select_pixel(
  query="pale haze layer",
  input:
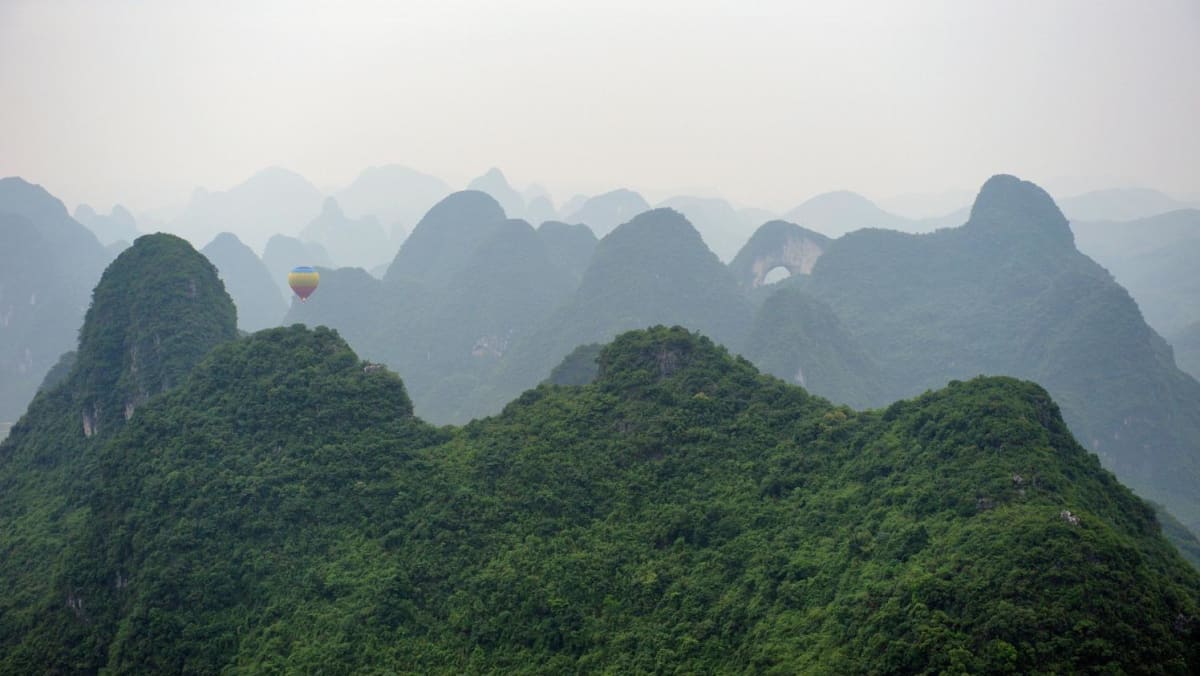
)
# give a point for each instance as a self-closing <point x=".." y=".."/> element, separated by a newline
<point x="764" y="103"/>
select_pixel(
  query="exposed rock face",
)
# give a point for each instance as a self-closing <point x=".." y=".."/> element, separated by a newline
<point x="775" y="244"/>
<point x="157" y="311"/>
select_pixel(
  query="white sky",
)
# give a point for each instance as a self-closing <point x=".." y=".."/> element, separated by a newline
<point x="765" y="103"/>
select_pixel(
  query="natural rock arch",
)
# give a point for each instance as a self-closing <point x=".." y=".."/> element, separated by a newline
<point x="777" y="244"/>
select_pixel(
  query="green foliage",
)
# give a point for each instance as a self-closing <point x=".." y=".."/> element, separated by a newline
<point x="282" y="510"/>
<point x="155" y="313"/>
<point x="464" y="288"/>
<point x="59" y="372"/>
<point x="577" y="368"/>
<point x="799" y="339"/>
<point x="1008" y="293"/>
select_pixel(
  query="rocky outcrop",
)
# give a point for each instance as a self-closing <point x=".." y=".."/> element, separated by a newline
<point x="777" y="244"/>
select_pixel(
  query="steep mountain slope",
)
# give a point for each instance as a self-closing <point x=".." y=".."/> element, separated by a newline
<point x="723" y="229"/>
<point x="682" y="513"/>
<point x="508" y="288"/>
<point x="272" y="201"/>
<point x="653" y="269"/>
<point x="569" y="246"/>
<point x="540" y="210"/>
<point x="1187" y="349"/>
<point x="117" y="226"/>
<point x="360" y="243"/>
<point x="444" y="239"/>
<point x="48" y="266"/>
<point x="1155" y="259"/>
<point x="463" y="289"/>
<point x="777" y="244"/>
<point x="283" y="253"/>
<point x="156" y="311"/>
<point x="1007" y="293"/>
<point x="247" y="281"/>
<point x="799" y="339"/>
<point x="835" y="213"/>
<point x="603" y="213"/>
<point x="496" y="185"/>
<point x="396" y="195"/>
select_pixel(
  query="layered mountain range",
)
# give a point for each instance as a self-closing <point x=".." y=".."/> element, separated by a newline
<point x="48" y="266"/>
<point x="475" y="308"/>
<point x="275" y="505"/>
<point x="870" y="317"/>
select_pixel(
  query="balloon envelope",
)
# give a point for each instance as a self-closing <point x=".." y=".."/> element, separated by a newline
<point x="303" y="281"/>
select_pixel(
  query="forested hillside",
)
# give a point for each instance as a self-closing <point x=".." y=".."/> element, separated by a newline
<point x="880" y="315"/>
<point x="282" y="510"/>
<point x="1008" y="293"/>
<point x="157" y="310"/>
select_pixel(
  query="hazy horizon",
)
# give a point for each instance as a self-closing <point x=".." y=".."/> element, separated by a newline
<point x="120" y="102"/>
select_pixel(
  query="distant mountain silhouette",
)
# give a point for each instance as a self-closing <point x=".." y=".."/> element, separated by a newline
<point x="755" y="216"/>
<point x="360" y="243"/>
<point x="283" y="253"/>
<point x="248" y="282"/>
<point x="444" y="239"/>
<point x="572" y="205"/>
<point x="118" y="226"/>
<point x="394" y="194"/>
<point x="925" y="205"/>
<point x="505" y="291"/>
<point x="835" y="213"/>
<point x="495" y="184"/>
<point x="461" y="292"/>
<point x="800" y="339"/>
<point x="1187" y="349"/>
<point x="724" y="229"/>
<point x="1120" y="204"/>
<point x="272" y="201"/>
<point x="540" y="210"/>
<point x="1008" y="293"/>
<point x="1156" y="258"/>
<point x="48" y="266"/>
<point x="605" y="212"/>
<point x="570" y="246"/>
<point x="655" y="269"/>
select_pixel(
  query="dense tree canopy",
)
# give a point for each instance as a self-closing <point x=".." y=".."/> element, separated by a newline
<point x="282" y="510"/>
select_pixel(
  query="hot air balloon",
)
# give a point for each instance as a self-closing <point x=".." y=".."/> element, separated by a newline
<point x="303" y="280"/>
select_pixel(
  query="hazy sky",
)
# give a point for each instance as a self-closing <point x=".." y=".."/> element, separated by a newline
<point x="763" y="102"/>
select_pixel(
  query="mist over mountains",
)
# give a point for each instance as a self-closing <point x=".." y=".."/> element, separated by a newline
<point x="671" y="461"/>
